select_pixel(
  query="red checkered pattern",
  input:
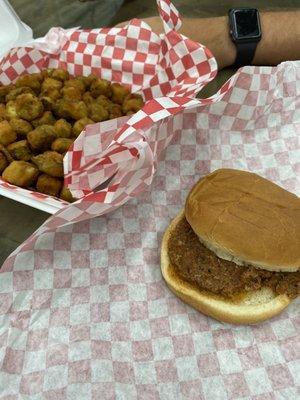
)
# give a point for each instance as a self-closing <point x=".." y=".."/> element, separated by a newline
<point x="84" y="310"/>
<point x="170" y="65"/>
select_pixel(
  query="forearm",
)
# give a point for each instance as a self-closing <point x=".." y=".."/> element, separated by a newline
<point x="280" y="37"/>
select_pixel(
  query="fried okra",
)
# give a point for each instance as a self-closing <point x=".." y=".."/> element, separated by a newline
<point x="101" y="86"/>
<point x="49" y="98"/>
<point x="132" y="102"/>
<point x="11" y="110"/>
<point x="41" y="114"/>
<point x="14" y="93"/>
<point x="71" y="93"/>
<point x="49" y="185"/>
<point x="63" y="128"/>
<point x="20" y="150"/>
<point x="3" y="162"/>
<point x="4" y="151"/>
<point x="80" y="125"/>
<point x="75" y="83"/>
<point x="28" y="107"/>
<point x="104" y="101"/>
<point x="115" y="111"/>
<point x="87" y="80"/>
<point x="70" y="109"/>
<point x="31" y="81"/>
<point x="20" y="126"/>
<point x="61" y="145"/>
<point x="51" y="84"/>
<point x="2" y="111"/>
<point x="7" y="134"/>
<point x="97" y="112"/>
<point x="50" y="163"/>
<point x="46" y="119"/>
<point x="60" y="74"/>
<point x="66" y="195"/>
<point x="20" y="173"/>
<point x="119" y="92"/>
<point x="50" y="94"/>
<point x="41" y="138"/>
<point x="4" y="90"/>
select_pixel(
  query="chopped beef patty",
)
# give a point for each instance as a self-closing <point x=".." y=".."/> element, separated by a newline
<point x="197" y="264"/>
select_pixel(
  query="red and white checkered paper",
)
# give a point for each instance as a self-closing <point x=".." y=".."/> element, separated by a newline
<point x="155" y="66"/>
<point x="85" y="313"/>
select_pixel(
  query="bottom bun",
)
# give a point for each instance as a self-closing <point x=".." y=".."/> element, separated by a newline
<point x="249" y="308"/>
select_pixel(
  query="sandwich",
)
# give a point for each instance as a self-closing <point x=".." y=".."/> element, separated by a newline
<point x="233" y="253"/>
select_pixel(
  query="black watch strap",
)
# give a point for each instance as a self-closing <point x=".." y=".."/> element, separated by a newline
<point x="245" y="54"/>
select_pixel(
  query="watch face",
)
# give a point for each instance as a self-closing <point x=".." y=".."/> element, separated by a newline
<point x="245" y="24"/>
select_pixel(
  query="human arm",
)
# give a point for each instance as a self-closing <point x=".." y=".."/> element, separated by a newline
<point x="280" y="37"/>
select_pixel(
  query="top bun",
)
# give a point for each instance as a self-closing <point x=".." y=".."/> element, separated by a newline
<point x="247" y="219"/>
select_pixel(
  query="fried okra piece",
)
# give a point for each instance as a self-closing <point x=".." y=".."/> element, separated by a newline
<point x="119" y="92"/>
<point x="20" y="173"/>
<point x="46" y="119"/>
<point x="3" y="162"/>
<point x="71" y="93"/>
<point x="70" y="109"/>
<point x="4" y="90"/>
<point x="66" y="195"/>
<point x="20" y="150"/>
<point x="29" y="80"/>
<point x="49" y="185"/>
<point x="2" y="111"/>
<point x="28" y="107"/>
<point x="61" y="145"/>
<point x="14" y="93"/>
<point x="47" y="73"/>
<point x="104" y="101"/>
<point x="50" y="84"/>
<point x="41" y="138"/>
<point x="132" y="102"/>
<point x="53" y="94"/>
<point x="63" y="129"/>
<point x="129" y="113"/>
<point x="7" y="134"/>
<point x="49" y="98"/>
<point x="101" y="86"/>
<point x="11" y="110"/>
<point x="79" y="125"/>
<point x="50" y="163"/>
<point x="115" y="111"/>
<point x="97" y="112"/>
<point x="20" y="126"/>
<point x="87" y="80"/>
<point x="88" y="98"/>
<point x="39" y="76"/>
<point x="76" y="83"/>
<point x="4" y="151"/>
<point x="60" y="74"/>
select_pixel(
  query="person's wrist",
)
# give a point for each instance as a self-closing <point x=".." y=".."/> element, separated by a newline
<point x="214" y="34"/>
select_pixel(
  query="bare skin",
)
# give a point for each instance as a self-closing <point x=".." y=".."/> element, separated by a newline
<point x="280" y="36"/>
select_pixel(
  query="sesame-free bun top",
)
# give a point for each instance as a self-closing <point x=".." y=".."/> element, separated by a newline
<point x="247" y="219"/>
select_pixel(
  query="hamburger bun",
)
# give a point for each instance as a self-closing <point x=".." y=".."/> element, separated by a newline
<point x="251" y="308"/>
<point x="246" y="219"/>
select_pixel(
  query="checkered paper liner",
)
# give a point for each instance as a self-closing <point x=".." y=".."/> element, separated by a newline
<point x="155" y="66"/>
<point x="85" y="313"/>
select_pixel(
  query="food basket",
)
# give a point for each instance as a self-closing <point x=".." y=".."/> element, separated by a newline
<point x="151" y="65"/>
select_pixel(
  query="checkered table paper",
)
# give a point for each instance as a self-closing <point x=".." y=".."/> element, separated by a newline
<point x="84" y="311"/>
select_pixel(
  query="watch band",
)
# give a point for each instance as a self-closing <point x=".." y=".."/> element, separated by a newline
<point x="245" y="53"/>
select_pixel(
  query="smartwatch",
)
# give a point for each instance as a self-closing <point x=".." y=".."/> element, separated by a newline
<point x="245" y="32"/>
